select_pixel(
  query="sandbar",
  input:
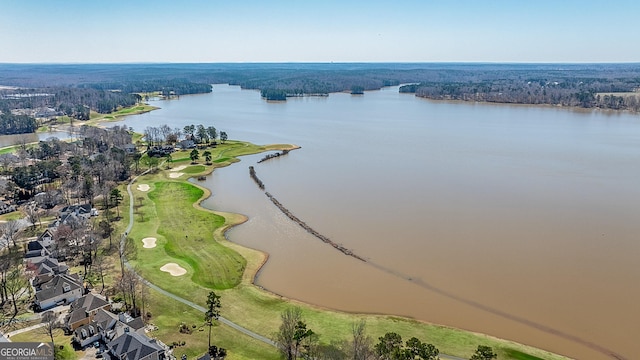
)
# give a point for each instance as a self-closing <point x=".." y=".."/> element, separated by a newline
<point x="149" y="242"/>
<point x="173" y="269"/>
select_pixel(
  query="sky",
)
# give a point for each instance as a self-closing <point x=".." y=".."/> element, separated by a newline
<point x="128" y="31"/>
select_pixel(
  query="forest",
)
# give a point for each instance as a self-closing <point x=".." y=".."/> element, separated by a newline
<point x="105" y="87"/>
<point x="585" y="92"/>
<point x="16" y="124"/>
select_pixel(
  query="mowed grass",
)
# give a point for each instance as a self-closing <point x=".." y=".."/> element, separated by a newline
<point x="515" y="354"/>
<point x="59" y="339"/>
<point x="192" y="237"/>
<point x="14" y="215"/>
<point x="168" y="314"/>
<point x="131" y="110"/>
<point x="196" y="169"/>
<point x="185" y="236"/>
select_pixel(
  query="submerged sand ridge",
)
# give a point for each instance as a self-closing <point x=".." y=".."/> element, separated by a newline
<point x="173" y="269"/>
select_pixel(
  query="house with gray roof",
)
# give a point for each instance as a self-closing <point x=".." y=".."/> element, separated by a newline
<point x="83" y="210"/>
<point x="83" y="310"/>
<point x="132" y="345"/>
<point x="61" y="289"/>
<point x="36" y="252"/>
<point x="87" y="334"/>
<point x="109" y="325"/>
<point x="49" y="265"/>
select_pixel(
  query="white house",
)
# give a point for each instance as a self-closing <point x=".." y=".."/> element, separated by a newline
<point x="62" y="289"/>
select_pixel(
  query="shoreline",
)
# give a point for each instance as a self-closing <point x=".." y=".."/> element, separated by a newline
<point x="257" y="259"/>
<point x="577" y="109"/>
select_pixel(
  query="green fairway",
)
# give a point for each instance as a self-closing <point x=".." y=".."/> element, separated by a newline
<point x="131" y="110"/>
<point x="196" y="169"/>
<point x="188" y="238"/>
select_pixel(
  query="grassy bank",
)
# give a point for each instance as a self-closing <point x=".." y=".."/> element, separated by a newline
<point x="95" y="117"/>
<point x="193" y="237"/>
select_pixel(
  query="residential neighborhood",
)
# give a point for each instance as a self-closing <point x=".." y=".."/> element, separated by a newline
<point x="92" y="320"/>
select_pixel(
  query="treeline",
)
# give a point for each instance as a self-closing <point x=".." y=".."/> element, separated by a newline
<point x="165" y="87"/>
<point x="562" y="84"/>
<point x="296" y="340"/>
<point x="199" y="134"/>
<point x="71" y="101"/>
<point x="104" y="102"/>
<point x="582" y="92"/>
<point x="16" y="124"/>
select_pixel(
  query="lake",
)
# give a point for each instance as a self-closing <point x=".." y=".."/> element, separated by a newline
<point x="17" y="139"/>
<point x="515" y="221"/>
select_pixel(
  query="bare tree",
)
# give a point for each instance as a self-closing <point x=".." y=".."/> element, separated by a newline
<point x="17" y="285"/>
<point x="165" y="131"/>
<point x="10" y="229"/>
<point x="33" y="215"/>
<point x="51" y="323"/>
<point x="10" y="258"/>
<point x="129" y="284"/>
<point x="293" y="334"/>
<point x="125" y="250"/>
<point x="360" y="347"/>
<point x="285" y="336"/>
<point x="99" y="267"/>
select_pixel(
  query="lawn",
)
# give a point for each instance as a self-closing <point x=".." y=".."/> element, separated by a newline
<point x="196" y="169"/>
<point x="59" y="339"/>
<point x="14" y="215"/>
<point x="168" y="314"/>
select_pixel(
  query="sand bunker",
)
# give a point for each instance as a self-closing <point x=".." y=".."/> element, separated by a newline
<point x="173" y="269"/>
<point x="175" y="175"/>
<point x="181" y="167"/>
<point x="149" y="242"/>
<point x="143" y="187"/>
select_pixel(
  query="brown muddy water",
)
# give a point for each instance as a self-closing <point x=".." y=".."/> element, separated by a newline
<point x="514" y="221"/>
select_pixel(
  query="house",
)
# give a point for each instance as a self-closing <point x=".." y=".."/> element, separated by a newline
<point x="187" y="144"/>
<point x="61" y="289"/>
<point x="103" y="321"/>
<point x="45" y="112"/>
<point x="6" y="208"/>
<point x="36" y="252"/>
<point x="109" y="325"/>
<point x="46" y="238"/>
<point x="132" y="345"/>
<point x="86" y="334"/>
<point x="129" y="148"/>
<point x="83" y="210"/>
<point x="48" y="266"/>
<point x="83" y="310"/>
<point x="160" y="151"/>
